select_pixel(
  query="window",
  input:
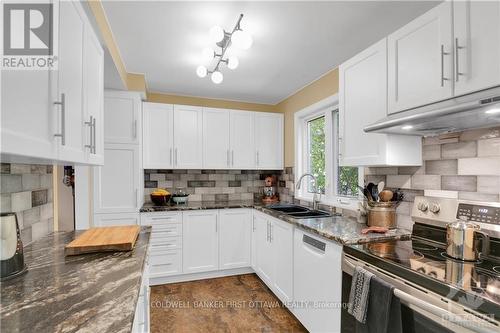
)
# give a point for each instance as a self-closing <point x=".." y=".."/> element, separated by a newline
<point x="317" y="153"/>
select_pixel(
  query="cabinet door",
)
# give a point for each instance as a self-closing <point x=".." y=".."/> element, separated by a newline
<point x="421" y="61"/>
<point x="216" y="153"/>
<point x="234" y="238"/>
<point x="70" y="82"/>
<point x="117" y="183"/>
<point x="121" y="117"/>
<point x="188" y="137"/>
<point x="108" y="220"/>
<point x="242" y="140"/>
<point x="28" y="117"/>
<point x="363" y="88"/>
<point x="93" y="92"/>
<point x="282" y="253"/>
<point x="158" y="135"/>
<point x="264" y="257"/>
<point x="269" y="140"/>
<point x="477" y="45"/>
<point x="200" y="241"/>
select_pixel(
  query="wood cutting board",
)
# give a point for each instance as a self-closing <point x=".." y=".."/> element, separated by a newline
<point x="104" y="239"/>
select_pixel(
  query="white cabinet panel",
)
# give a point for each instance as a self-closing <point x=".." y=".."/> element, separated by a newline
<point x="70" y="82"/>
<point x="121" y="117"/>
<point x="264" y="257"/>
<point x="269" y="140"/>
<point x="200" y="241"/>
<point x="111" y="193"/>
<point x="234" y="238"/>
<point x="362" y="101"/>
<point x="282" y="243"/>
<point x="158" y="135"/>
<point x="242" y="139"/>
<point x="108" y="220"/>
<point x="93" y="93"/>
<point x="477" y="45"/>
<point x="216" y="153"/>
<point x="188" y="137"/>
<point x="421" y="61"/>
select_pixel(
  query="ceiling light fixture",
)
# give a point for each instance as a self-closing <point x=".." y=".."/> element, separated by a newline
<point x="407" y="127"/>
<point x="237" y="37"/>
<point x="493" y="111"/>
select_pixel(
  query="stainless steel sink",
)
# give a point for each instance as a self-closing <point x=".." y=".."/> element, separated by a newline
<point x="299" y="212"/>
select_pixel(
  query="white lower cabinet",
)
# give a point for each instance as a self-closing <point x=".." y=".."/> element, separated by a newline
<point x="234" y="238"/>
<point x="317" y="279"/>
<point x="108" y="220"/>
<point x="200" y="249"/>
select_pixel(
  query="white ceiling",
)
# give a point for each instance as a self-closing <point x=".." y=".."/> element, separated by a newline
<point x="294" y="42"/>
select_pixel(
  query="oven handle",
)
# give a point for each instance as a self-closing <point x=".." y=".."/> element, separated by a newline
<point x="435" y="310"/>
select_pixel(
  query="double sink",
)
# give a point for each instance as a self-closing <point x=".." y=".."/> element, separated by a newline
<point x="299" y="212"/>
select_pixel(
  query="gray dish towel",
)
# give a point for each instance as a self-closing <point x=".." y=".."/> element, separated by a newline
<point x="360" y="290"/>
<point x="384" y="310"/>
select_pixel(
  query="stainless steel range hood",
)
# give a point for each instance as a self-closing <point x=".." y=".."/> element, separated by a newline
<point x="477" y="110"/>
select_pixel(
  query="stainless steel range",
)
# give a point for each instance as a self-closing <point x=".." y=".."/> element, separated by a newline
<point x="458" y="296"/>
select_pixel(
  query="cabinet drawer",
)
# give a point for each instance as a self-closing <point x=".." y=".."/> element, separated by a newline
<point x="159" y="219"/>
<point x="166" y="230"/>
<point x="166" y="263"/>
<point x="165" y="243"/>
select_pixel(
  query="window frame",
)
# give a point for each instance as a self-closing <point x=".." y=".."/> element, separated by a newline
<point x="326" y="108"/>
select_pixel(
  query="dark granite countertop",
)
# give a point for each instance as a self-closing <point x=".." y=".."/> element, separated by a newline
<point x="337" y="228"/>
<point x="90" y="293"/>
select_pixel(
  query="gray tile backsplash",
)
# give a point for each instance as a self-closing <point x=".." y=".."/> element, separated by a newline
<point x="27" y="190"/>
<point x="466" y="165"/>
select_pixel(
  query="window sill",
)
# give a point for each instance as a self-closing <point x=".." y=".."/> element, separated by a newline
<point x="338" y="202"/>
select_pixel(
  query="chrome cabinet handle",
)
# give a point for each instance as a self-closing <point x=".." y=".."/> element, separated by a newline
<point x="257" y="157"/>
<point x="91" y="132"/>
<point x="270" y="232"/>
<point x="136" y="197"/>
<point x="135" y="129"/>
<point x="93" y="149"/>
<point x="442" y="65"/>
<point x="227" y="158"/>
<point x="232" y="157"/>
<point x="457" y="65"/>
<point x="62" y="103"/>
<point x="253" y="224"/>
<point x="216" y="222"/>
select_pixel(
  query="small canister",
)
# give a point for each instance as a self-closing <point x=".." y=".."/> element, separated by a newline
<point x="382" y="215"/>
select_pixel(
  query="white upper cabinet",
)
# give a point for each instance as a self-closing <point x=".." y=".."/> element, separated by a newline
<point x="242" y="139"/>
<point x="269" y="140"/>
<point x="112" y="194"/>
<point x="363" y="100"/>
<point x="158" y="136"/>
<point x="235" y="227"/>
<point x="200" y="241"/>
<point x="188" y="137"/>
<point x="216" y="153"/>
<point x="477" y="45"/>
<point x="93" y="93"/>
<point x="421" y="60"/>
<point x="70" y="82"/>
<point x="122" y="117"/>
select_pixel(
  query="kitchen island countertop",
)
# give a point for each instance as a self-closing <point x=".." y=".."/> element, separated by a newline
<point x="344" y="230"/>
<point x="92" y="292"/>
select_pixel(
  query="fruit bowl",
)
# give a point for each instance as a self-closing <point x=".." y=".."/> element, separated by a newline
<point x="160" y="197"/>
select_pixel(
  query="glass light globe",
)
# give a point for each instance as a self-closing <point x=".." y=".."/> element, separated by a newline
<point x="201" y="71"/>
<point x="216" y="34"/>
<point x="232" y="62"/>
<point x="207" y="54"/>
<point x="217" y="77"/>
<point x="242" y="39"/>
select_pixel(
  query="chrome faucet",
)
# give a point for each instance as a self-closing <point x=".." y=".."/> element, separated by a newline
<point x="315" y="188"/>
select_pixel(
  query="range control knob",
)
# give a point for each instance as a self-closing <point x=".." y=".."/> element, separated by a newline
<point x="435" y="208"/>
<point x="422" y="206"/>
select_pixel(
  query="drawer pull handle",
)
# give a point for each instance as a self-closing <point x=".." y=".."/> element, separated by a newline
<point x="158" y="265"/>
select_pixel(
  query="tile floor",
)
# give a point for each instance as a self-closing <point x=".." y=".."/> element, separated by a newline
<point x="230" y="304"/>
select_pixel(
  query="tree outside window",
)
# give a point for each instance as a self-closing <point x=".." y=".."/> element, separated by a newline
<point x="316" y="133"/>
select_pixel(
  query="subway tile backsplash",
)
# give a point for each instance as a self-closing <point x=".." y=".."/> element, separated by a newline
<point x="209" y="185"/>
<point x="27" y="190"/>
<point x="464" y="165"/>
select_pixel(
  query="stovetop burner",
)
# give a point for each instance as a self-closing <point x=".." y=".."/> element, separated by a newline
<point x="447" y="257"/>
<point x="394" y="252"/>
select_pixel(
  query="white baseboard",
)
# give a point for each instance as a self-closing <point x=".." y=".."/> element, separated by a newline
<point x="199" y="276"/>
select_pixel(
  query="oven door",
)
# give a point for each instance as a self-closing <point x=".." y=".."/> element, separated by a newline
<point x="421" y="309"/>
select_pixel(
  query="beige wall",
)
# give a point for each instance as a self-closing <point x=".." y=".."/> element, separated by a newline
<point x="208" y="102"/>
<point x="324" y="87"/>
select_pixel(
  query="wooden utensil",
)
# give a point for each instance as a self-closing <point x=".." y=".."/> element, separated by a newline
<point x="386" y="195"/>
<point x="104" y="239"/>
